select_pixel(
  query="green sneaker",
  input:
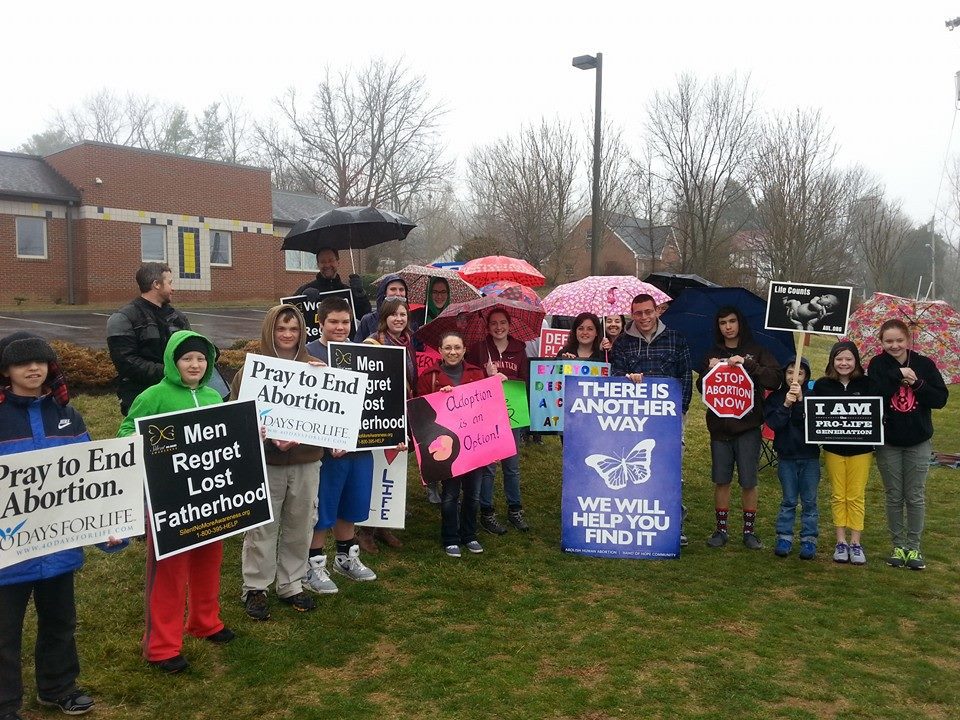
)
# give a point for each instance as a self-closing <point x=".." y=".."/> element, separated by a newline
<point x="898" y="558"/>
<point x="915" y="560"/>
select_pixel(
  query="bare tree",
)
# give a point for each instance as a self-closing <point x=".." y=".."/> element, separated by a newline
<point x="880" y="233"/>
<point x="802" y="201"/>
<point x="365" y="138"/>
<point x="645" y="198"/>
<point x="702" y="134"/>
<point x="522" y="190"/>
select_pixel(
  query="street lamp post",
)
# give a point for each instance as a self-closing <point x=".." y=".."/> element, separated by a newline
<point x="933" y="261"/>
<point x="591" y="62"/>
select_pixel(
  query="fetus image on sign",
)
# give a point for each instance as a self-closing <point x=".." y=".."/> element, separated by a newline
<point x="618" y="471"/>
<point x="810" y="316"/>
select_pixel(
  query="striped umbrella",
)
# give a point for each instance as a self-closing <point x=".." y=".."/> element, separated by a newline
<point x="417" y="278"/>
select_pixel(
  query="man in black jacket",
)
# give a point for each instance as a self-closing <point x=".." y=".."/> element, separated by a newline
<point x="137" y="334"/>
<point x="328" y="261"/>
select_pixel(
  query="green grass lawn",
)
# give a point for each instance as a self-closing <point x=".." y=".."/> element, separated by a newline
<point x="525" y="631"/>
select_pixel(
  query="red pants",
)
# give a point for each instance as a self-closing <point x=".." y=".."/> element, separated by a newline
<point x="166" y="598"/>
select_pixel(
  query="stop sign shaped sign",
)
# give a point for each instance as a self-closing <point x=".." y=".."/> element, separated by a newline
<point x="728" y="390"/>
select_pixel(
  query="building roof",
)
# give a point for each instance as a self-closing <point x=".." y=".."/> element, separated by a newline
<point x="289" y="207"/>
<point x="28" y="176"/>
<point x="638" y="236"/>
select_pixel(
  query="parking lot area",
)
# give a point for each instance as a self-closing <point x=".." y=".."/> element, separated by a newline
<point x="222" y="325"/>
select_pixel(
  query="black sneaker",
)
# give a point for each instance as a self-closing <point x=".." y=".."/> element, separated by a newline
<point x="221" y="637"/>
<point x="752" y="542"/>
<point x="301" y="602"/>
<point x="490" y="523"/>
<point x="718" y="539"/>
<point x="178" y="663"/>
<point x="256" y="605"/>
<point x="516" y="519"/>
<point x="74" y="703"/>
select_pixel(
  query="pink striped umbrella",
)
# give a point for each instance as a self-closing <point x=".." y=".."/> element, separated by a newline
<point x="600" y="294"/>
<point x="485" y="270"/>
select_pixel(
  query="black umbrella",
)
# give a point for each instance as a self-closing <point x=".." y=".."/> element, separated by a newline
<point x="347" y="228"/>
<point x="675" y="283"/>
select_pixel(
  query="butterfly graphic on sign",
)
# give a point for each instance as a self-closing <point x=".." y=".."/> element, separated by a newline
<point x="160" y="433"/>
<point x="342" y="358"/>
<point x="10" y="532"/>
<point x="618" y="471"/>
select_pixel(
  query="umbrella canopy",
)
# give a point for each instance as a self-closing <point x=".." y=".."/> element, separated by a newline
<point x="347" y="228"/>
<point x="675" y="283"/>
<point x="470" y="318"/>
<point x="485" y="270"/>
<point x="509" y="290"/>
<point x="417" y="278"/>
<point x="692" y="315"/>
<point x="934" y="327"/>
<point x="600" y="294"/>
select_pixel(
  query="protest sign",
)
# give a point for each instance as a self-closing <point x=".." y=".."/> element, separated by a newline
<point x="461" y="430"/>
<point x="388" y="498"/>
<point x="803" y="307"/>
<point x="206" y="475"/>
<point x="843" y="420"/>
<point x="383" y="422"/>
<point x="518" y="410"/>
<point x="547" y="378"/>
<point x="728" y="390"/>
<point x="308" y="304"/>
<point x="69" y="496"/>
<point x="621" y="467"/>
<point x="426" y="359"/>
<point x="552" y="342"/>
<point x="313" y="405"/>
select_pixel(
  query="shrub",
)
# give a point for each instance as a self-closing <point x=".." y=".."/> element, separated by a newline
<point x="234" y="357"/>
<point x="86" y="369"/>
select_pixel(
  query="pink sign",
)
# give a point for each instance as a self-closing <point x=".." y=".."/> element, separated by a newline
<point x="426" y="359"/>
<point x="459" y="431"/>
<point x="552" y="342"/>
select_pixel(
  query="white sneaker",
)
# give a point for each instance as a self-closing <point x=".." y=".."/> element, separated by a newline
<point x="452" y="551"/>
<point x="475" y="547"/>
<point x="857" y="556"/>
<point x="318" y="579"/>
<point x="351" y="566"/>
<point x="841" y="553"/>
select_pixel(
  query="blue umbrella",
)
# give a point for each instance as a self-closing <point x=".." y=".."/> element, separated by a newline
<point x="693" y="316"/>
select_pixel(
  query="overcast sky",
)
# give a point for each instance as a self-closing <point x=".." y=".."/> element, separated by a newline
<point x="882" y="71"/>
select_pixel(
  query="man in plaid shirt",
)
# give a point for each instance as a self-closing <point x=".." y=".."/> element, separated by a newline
<point x="648" y="347"/>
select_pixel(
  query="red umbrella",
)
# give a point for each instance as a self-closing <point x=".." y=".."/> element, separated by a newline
<point x="470" y="319"/>
<point x="485" y="270"/>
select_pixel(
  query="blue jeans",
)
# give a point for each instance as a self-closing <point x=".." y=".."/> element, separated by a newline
<point x="511" y="481"/>
<point x="458" y="519"/>
<point x="799" y="480"/>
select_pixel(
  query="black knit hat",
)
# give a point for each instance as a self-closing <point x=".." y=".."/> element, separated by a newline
<point x="21" y="347"/>
<point x="194" y="343"/>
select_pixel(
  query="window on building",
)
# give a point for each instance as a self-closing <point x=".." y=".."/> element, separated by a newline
<point x="153" y="243"/>
<point x="220" y="252"/>
<point x="31" y="237"/>
<point x="297" y="260"/>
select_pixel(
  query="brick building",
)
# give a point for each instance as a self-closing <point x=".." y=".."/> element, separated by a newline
<point x="628" y="247"/>
<point x="75" y="226"/>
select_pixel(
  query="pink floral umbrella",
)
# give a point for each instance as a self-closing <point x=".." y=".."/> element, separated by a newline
<point x="485" y="270"/>
<point x="509" y="290"/>
<point x="934" y="326"/>
<point x="600" y="294"/>
<point x="417" y="278"/>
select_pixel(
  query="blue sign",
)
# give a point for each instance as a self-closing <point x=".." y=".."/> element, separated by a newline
<point x="547" y="379"/>
<point x="621" y="467"/>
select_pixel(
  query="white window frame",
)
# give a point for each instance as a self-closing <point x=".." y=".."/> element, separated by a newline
<point x="307" y="261"/>
<point x="44" y="226"/>
<point x="229" y="237"/>
<point x="163" y="232"/>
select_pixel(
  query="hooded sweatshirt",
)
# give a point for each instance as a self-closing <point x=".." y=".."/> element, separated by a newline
<point x="299" y="454"/>
<point x="762" y="368"/>
<point x="906" y="414"/>
<point x="171" y="394"/>
<point x="512" y="362"/>
<point x="369" y="322"/>
<point x="787" y="423"/>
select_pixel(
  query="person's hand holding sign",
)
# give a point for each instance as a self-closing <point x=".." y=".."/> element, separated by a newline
<point x="793" y="395"/>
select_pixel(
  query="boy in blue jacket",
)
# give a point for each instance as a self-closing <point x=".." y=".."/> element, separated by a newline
<point x="34" y="415"/>
<point x="798" y="464"/>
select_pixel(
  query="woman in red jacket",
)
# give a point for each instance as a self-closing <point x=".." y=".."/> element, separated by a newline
<point x="456" y="527"/>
